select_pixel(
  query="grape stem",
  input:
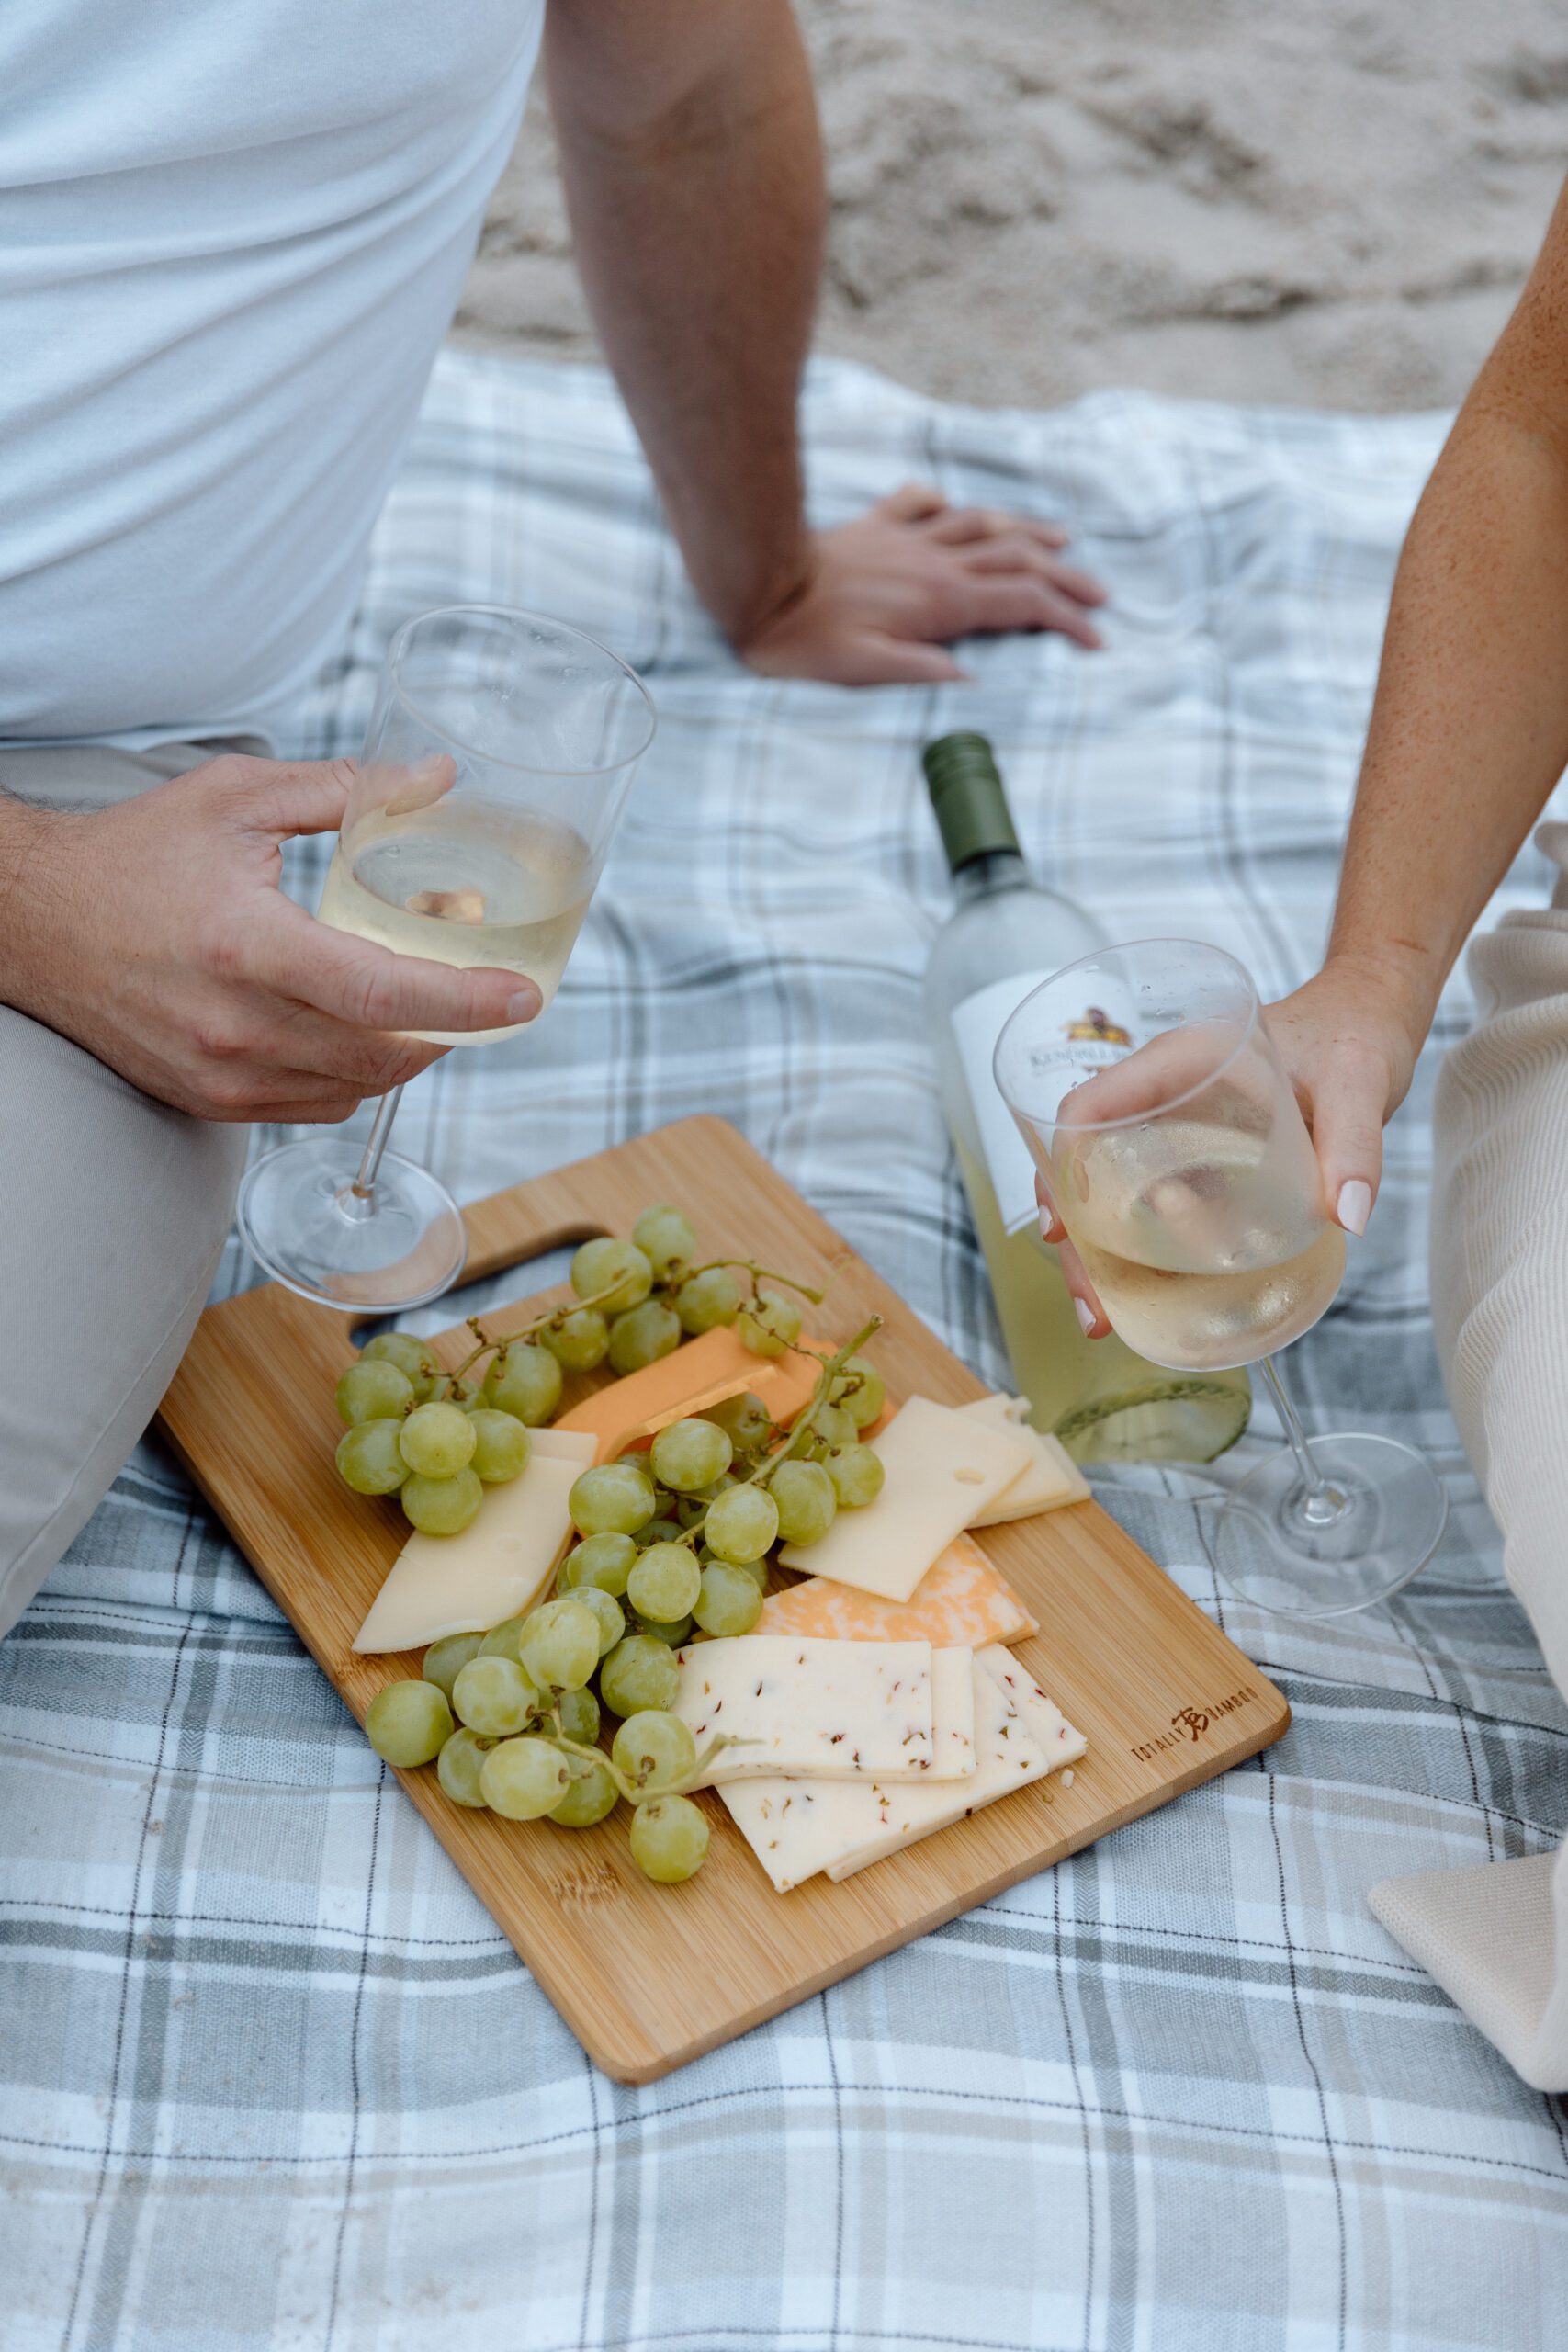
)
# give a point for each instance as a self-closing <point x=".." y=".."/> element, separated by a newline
<point x="554" y="1316"/>
<point x="758" y="1274"/>
<point x="626" y="1785"/>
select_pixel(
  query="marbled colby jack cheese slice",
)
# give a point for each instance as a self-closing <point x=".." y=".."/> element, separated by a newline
<point x="961" y="1600"/>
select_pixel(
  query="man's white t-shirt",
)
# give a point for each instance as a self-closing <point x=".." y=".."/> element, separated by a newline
<point x="232" y="234"/>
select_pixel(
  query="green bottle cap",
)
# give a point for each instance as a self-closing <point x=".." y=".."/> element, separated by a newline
<point x="968" y="798"/>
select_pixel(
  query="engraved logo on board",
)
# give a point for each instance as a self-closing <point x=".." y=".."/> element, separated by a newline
<point x="1190" y="1724"/>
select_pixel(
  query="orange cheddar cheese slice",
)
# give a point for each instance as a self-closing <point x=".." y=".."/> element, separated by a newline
<point x="702" y="1372"/>
<point x="960" y="1603"/>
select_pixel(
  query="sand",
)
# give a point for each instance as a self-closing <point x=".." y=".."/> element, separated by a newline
<point x="1330" y="205"/>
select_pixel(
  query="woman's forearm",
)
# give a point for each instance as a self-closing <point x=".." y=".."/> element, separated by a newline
<point x="1470" y="729"/>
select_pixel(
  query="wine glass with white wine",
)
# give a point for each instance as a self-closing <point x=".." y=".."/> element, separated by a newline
<point x="1171" y="1141"/>
<point x="495" y="768"/>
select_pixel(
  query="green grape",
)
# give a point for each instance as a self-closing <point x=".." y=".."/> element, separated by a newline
<point x="502" y="1640"/>
<point x="408" y="1721"/>
<point x="806" y="1503"/>
<point x="833" y="1425"/>
<point x="494" y="1697"/>
<point x="438" y="1441"/>
<point x="640" y="1337"/>
<point x="501" y="1446"/>
<point x="618" y="1267"/>
<point x="639" y="1672"/>
<point x="674" y="1633"/>
<point x="657" y="1531"/>
<point x="862" y="1391"/>
<point x="526" y="1382"/>
<point x="857" y="1474"/>
<point x="729" y="1601"/>
<point x="612" y="1617"/>
<point x="458" y="1766"/>
<point x="441" y="1506"/>
<point x="581" y="1340"/>
<point x="691" y="1454"/>
<point x="370" y="1459"/>
<point x="664" y="1582"/>
<point x="578" y="1713"/>
<point x="412" y="1357"/>
<point x="373" y="1390"/>
<point x="445" y="1659"/>
<point x="524" y="1779"/>
<point x="771" y="1326"/>
<point x="704" y="1301"/>
<point x="590" y="1796"/>
<point x="654" y="1750"/>
<point x="741" y="1525"/>
<point x="691" y="1508"/>
<point x="744" y="1419"/>
<point x="602" y="1560"/>
<point x="614" y="1499"/>
<point x="756" y="1570"/>
<point x="558" y="1649"/>
<point x="666" y="1240"/>
<point x="670" y="1838"/>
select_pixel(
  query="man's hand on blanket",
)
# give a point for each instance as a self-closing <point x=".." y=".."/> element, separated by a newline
<point x="1349" y="1055"/>
<point x="885" y="593"/>
<point x="156" y="934"/>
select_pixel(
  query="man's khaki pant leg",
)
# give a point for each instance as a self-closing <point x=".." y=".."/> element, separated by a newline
<point x="113" y="1211"/>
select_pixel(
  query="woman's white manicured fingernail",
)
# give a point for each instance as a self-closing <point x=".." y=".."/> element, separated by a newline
<point x="1354" y="1205"/>
<point x="1085" y="1314"/>
<point x="525" y="1004"/>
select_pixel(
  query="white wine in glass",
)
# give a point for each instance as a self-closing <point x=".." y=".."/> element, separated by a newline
<point x="497" y="762"/>
<point x="1181" y="1166"/>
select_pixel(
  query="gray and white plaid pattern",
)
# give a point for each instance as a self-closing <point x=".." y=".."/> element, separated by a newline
<point x="273" y="2082"/>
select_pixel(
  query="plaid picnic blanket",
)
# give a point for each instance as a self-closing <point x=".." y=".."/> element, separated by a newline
<point x="270" y="2081"/>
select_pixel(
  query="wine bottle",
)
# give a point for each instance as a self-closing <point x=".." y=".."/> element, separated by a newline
<point x="1005" y="935"/>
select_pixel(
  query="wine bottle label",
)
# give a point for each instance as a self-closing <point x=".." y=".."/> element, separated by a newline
<point x="978" y="1021"/>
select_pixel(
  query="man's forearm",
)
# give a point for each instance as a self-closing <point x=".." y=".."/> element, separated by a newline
<point x="1470" y="728"/>
<point x="694" y="175"/>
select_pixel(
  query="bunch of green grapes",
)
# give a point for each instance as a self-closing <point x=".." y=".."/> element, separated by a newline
<point x="417" y="1432"/>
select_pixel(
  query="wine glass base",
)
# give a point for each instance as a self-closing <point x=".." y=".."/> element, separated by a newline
<point x="1394" y="1511"/>
<point x="298" y="1217"/>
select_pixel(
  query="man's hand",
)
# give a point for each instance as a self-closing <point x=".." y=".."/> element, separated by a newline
<point x="1348" y="1043"/>
<point x="156" y="934"/>
<point x="885" y="593"/>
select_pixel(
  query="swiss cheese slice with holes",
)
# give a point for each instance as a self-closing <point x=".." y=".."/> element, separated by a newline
<point x="1050" y="1478"/>
<point x="839" y="1709"/>
<point x="702" y="1372"/>
<point x="960" y="1599"/>
<point x="499" y="1566"/>
<point x="943" y="1466"/>
<point x="798" y="1828"/>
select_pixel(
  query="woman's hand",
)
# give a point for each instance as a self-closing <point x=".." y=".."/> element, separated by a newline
<point x="1349" y="1050"/>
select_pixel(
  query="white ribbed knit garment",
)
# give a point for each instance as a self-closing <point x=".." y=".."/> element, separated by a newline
<point x="1497" y="1937"/>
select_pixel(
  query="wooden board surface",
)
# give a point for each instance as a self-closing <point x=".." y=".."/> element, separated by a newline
<point x="649" y="1977"/>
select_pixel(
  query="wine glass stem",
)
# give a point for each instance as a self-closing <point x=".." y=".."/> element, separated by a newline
<point x="1321" y="1502"/>
<point x="364" y="1186"/>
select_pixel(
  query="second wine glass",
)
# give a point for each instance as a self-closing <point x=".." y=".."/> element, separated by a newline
<point x="1175" y="1153"/>
<point x="496" y="764"/>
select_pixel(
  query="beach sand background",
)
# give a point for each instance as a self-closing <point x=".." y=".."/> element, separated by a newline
<point x="1330" y="205"/>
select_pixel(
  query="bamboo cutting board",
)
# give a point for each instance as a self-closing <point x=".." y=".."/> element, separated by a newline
<point x="648" y="1977"/>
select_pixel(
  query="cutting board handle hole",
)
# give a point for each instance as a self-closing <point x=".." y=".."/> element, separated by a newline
<point x="539" y="1264"/>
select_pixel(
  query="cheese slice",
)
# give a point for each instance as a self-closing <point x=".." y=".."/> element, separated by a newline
<point x="960" y="1599"/>
<point x="953" y="1715"/>
<point x="832" y="1709"/>
<point x="943" y="1466"/>
<point x="1060" y="1742"/>
<point x="1050" y="1478"/>
<point x="798" y="1828"/>
<point x="497" y="1567"/>
<point x="563" y="1445"/>
<point x="700" y="1373"/>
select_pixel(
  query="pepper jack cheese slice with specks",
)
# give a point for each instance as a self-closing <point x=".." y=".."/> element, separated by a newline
<point x="1050" y="1478"/>
<point x="700" y="1373"/>
<point x="797" y="1828"/>
<point x="497" y="1567"/>
<point x="943" y="1466"/>
<point x="961" y="1600"/>
<point x="835" y="1709"/>
<point x="1059" y="1741"/>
